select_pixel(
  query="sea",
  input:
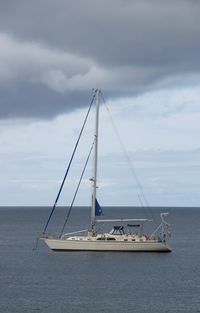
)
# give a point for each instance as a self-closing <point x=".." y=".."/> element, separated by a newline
<point x="39" y="280"/>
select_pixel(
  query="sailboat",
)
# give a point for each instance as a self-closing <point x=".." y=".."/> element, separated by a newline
<point x="122" y="236"/>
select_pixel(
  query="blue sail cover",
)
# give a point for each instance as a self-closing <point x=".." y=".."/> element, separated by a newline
<point x="98" y="209"/>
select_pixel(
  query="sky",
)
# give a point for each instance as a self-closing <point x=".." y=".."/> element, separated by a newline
<point x="144" y="56"/>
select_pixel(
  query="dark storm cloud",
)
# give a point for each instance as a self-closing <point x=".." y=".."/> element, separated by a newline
<point x="27" y="101"/>
<point x="127" y="46"/>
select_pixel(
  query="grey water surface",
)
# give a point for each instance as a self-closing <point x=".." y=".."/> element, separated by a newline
<point x="92" y="282"/>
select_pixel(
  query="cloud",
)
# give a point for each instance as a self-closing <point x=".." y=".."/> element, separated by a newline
<point x="53" y="53"/>
<point x="164" y="102"/>
<point x="143" y="54"/>
<point x="138" y="32"/>
<point x="166" y="159"/>
<point x="32" y="62"/>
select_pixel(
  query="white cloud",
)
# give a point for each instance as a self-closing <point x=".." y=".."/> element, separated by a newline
<point x="33" y="62"/>
<point x="164" y="101"/>
<point x="61" y="71"/>
<point x="163" y="150"/>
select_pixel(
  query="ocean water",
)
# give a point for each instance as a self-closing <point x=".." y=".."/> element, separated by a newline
<point x="92" y="282"/>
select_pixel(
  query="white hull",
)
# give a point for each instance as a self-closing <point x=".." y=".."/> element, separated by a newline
<point x="94" y="245"/>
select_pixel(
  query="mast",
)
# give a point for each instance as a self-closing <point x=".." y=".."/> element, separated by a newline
<point x="95" y="160"/>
